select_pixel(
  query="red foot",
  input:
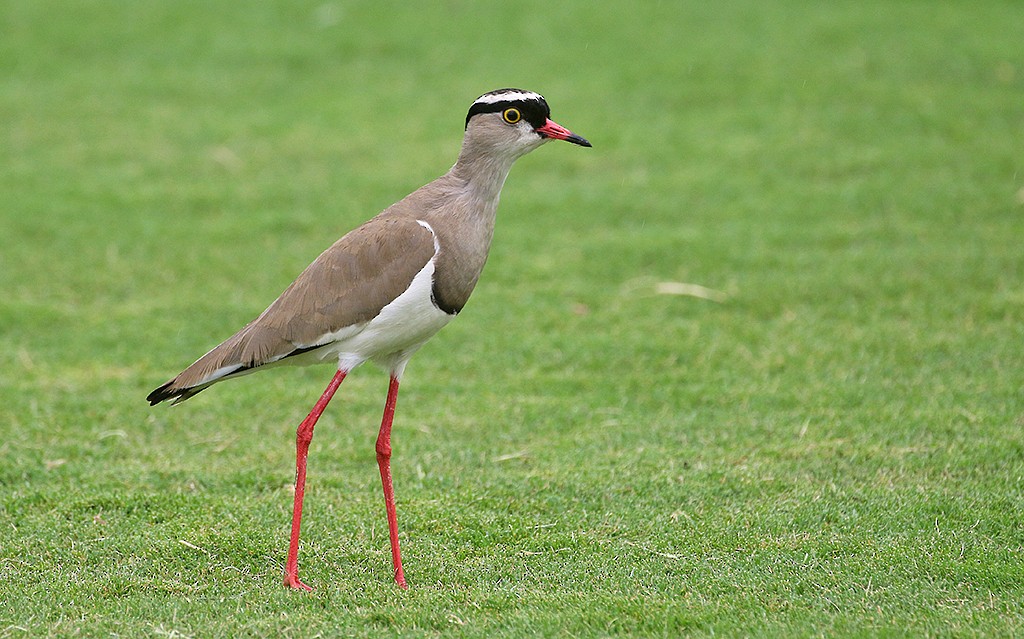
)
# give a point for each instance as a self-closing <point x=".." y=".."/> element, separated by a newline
<point x="400" y="580"/>
<point x="292" y="581"/>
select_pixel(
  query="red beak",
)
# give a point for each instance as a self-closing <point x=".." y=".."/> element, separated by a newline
<point x="555" y="131"/>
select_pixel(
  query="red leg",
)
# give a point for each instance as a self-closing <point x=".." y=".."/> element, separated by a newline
<point x="384" y="463"/>
<point x="303" y="436"/>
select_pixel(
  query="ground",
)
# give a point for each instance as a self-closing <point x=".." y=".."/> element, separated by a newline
<point x="751" y="366"/>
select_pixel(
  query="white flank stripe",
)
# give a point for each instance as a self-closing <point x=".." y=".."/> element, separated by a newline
<point x="437" y="245"/>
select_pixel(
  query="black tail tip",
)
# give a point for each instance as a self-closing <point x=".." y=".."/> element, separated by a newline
<point x="163" y="393"/>
<point x="178" y="394"/>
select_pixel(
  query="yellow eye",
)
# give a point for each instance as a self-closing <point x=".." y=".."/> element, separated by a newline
<point x="511" y="115"/>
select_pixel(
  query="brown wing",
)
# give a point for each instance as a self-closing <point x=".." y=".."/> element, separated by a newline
<point x="348" y="284"/>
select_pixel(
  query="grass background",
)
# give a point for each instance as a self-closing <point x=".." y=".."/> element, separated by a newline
<point x="834" y="449"/>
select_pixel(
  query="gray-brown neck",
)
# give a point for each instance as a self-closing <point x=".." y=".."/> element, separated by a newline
<point x="482" y="171"/>
<point x="461" y="208"/>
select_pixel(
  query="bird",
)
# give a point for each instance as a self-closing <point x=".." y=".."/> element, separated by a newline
<point x="385" y="288"/>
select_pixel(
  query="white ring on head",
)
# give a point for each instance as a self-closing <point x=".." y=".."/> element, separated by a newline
<point x="508" y="96"/>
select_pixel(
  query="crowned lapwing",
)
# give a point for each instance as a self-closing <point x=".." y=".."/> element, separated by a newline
<point x="385" y="288"/>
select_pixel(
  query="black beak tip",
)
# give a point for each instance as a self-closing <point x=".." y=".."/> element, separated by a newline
<point x="575" y="139"/>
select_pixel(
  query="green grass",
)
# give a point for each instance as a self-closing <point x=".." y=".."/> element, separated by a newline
<point x="835" y="449"/>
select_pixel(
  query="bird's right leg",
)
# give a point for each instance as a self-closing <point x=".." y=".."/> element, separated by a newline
<point x="303" y="436"/>
<point x="384" y="463"/>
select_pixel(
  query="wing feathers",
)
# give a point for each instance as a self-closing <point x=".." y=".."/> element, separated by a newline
<point x="347" y="285"/>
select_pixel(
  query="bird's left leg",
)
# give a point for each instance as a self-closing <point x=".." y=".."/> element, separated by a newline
<point x="384" y="463"/>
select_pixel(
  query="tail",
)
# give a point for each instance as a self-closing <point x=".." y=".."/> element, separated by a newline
<point x="219" y="364"/>
<point x="225" y="360"/>
<point x="249" y="349"/>
<point x="172" y="391"/>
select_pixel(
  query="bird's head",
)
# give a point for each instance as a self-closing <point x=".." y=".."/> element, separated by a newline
<point x="514" y="121"/>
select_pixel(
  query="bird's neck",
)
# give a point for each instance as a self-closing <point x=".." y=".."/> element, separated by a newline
<point x="483" y="174"/>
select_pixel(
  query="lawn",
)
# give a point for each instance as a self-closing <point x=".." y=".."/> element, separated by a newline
<point x="827" y="439"/>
